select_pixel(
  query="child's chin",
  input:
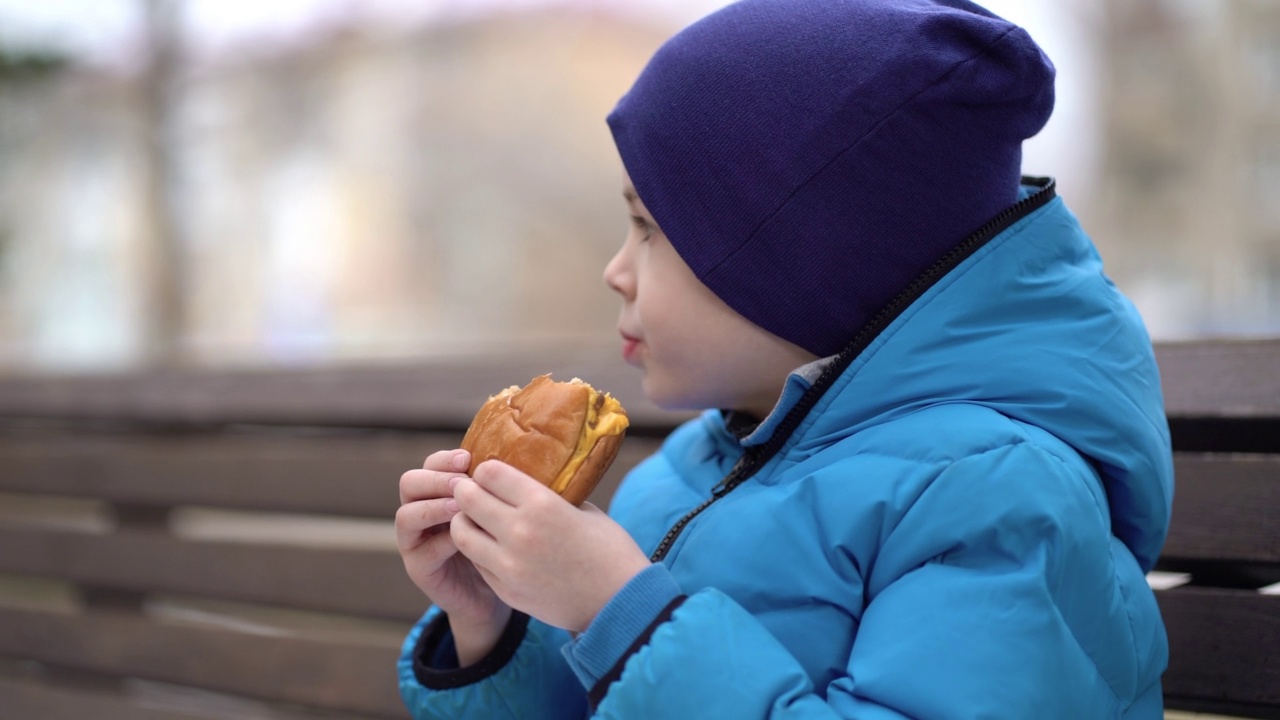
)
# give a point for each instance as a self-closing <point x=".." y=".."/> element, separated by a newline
<point x="670" y="397"/>
<point x="658" y="392"/>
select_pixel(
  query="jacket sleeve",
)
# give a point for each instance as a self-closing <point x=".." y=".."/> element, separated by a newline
<point x="524" y="678"/>
<point x="966" y="615"/>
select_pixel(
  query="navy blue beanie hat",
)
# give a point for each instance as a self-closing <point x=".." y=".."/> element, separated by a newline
<point x="809" y="159"/>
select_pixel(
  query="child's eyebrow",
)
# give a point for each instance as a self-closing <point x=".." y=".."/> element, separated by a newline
<point x="630" y="195"/>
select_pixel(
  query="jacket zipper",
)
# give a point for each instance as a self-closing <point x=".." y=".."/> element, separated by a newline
<point x="757" y="456"/>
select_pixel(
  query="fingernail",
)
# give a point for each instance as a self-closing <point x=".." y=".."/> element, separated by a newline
<point x="461" y="460"/>
<point x="452" y="506"/>
<point x="453" y="482"/>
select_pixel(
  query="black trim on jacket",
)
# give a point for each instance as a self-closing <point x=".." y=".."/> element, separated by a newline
<point x="601" y="688"/>
<point x="435" y="661"/>
<point x="757" y="456"/>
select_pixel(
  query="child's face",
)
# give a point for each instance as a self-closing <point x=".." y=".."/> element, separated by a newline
<point x="696" y="352"/>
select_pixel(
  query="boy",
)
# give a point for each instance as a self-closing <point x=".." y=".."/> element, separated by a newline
<point x="936" y="467"/>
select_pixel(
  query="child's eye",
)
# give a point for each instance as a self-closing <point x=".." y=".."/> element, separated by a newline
<point x="642" y="225"/>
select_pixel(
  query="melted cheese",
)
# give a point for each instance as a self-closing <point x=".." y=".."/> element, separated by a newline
<point x="608" y="420"/>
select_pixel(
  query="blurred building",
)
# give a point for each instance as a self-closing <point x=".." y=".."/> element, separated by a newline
<point x="443" y="189"/>
<point x="451" y="188"/>
<point x="1190" y="183"/>
<point x="68" y="212"/>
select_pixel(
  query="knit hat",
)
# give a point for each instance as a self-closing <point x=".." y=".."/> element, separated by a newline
<point x="808" y="159"/>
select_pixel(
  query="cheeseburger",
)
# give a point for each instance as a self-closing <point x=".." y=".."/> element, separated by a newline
<point x="563" y="434"/>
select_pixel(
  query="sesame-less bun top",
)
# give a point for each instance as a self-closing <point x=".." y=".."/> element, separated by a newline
<point x="809" y="159"/>
<point x="563" y="434"/>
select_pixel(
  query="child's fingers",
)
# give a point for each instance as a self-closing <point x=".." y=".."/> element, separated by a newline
<point x="506" y="483"/>
<point x="425" y="485"/>
<point x="448" y="461"/>
<point x="481" y="506"/>
<point x="414" y="519"/>
<point x="435" y="548"/>
<point x="472" y="541"/>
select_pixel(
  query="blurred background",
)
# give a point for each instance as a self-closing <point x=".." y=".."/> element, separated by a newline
<point x="303" y="182"/>
<point x="329" y="186"/>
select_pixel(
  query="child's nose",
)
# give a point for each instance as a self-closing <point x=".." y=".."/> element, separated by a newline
<point x="617" y="274"/>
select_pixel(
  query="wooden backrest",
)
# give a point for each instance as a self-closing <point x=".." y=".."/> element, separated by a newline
<point x="221" y="543"/>
<point x="1223" y="402"/>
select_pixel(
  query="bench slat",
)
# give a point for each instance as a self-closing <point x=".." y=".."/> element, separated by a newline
<point x="343" y="475"/>
<point x="26" y="700"/>
<point x="339" y="474"/>
<point x="1225" y="508"/>
<point x="1222" y="647"/>
<point x="1200" y="379"/>
<point x="320" y="579"/>
<point x="348" y="676"/>
<point x="424" y="395"/>
<point x="1221" y="378"/>
<point x="21" y="700"/>
<point x="1203" y="378"/>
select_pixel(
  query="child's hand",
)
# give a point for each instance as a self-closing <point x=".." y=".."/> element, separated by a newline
<point x="542" y="555"/>
<point x="476" y="615"/>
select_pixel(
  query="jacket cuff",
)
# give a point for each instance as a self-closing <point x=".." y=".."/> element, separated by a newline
<point x="435" y="659"/>
<point x="612" y="636"/>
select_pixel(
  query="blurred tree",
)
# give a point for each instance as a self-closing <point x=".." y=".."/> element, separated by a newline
<point x="164" y="307"/>
<point x="29" y="65"/>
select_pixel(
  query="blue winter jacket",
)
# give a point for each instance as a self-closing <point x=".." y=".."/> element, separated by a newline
<point x="950" y="520"/>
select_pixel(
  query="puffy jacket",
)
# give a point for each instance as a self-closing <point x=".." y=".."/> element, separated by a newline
<point x="951" y="519"/>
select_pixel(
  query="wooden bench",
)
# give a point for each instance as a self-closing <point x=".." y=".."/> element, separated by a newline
<point x="1223" y="402"/>
<point x="201" y="544"/>
<point x="219" y="545"/>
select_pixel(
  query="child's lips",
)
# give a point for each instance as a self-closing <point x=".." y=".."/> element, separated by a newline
<point x="630" y="347"/>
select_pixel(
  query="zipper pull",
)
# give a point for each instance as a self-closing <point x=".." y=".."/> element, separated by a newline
<point x="722" y="487"/>
<point x="735" y="475"/>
